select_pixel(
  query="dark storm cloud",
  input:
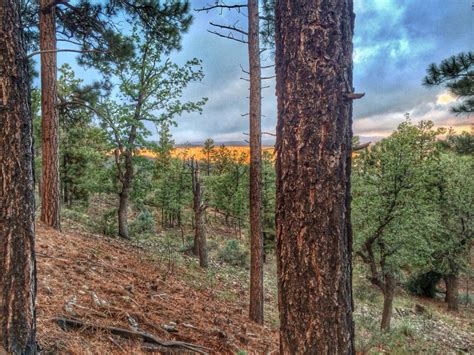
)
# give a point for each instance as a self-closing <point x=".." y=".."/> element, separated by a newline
<point x="395" y="41"/>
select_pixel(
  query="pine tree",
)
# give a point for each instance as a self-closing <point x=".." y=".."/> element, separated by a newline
<point x="313" y="164"/>
<point x="17" y="232"/>
<point x="207" y="150"/>
<point x="457" y="74"/>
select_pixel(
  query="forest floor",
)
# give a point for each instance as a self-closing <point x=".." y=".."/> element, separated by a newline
<point x="155" y="286"/>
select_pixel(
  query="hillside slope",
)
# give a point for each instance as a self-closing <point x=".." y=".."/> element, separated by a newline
<point x="107" y="282"/>
<point x="159" y="290"/>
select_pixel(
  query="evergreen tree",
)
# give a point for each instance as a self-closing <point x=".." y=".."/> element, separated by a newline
<point x="457" y="74"/>
<point x="17" y="203"/>
<point x="150" y="92"/>
<point x="393" y="219"/>
<point x="207" y="150"/>
<point x="453" y="192"/>
<point x="313" y="58"/>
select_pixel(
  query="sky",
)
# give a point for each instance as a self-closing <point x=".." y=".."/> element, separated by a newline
<point x="394" y="42"/>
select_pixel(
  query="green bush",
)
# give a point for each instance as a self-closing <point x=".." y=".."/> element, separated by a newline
<point x="234" y="254"/>
<point x="108" y="224"/>
<point x="423" y="284"/>
<point x="144" y="224"/>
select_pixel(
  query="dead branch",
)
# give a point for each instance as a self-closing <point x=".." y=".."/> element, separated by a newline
<point x="354" y="95"/>
<point x="226" y="27"/>
<point x="360" y="146"/>
<point x="75" y="324"/>
<point x="221" y="7"/>
<point x="229" y="36"/>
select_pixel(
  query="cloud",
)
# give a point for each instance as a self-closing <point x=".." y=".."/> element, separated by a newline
<point x="395" y="41"/>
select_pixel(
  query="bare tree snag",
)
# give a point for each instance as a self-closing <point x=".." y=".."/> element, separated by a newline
<point x="313" y="163"/>
<point x="17" y="256"/>
<point x="200" y="242"/>
<point x="50" y="192"/>
<point x="256" y="235"/>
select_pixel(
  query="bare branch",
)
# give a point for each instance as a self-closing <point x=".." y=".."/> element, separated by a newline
<point x="229" y="36"/>
<point x="221" y="7"/>
<point x="232" y="28"/>
<point x="354" y="95"/>
<point x="243" y="70"/>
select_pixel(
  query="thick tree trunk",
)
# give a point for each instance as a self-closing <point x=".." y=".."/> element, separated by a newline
<point x="452" y="298"/>
<point x="388" y="294"/>
<point x="256" y="236"/>
<point x="17" y="255"/>
<point x="200" y="242"/>
<point x="50" y="192"/>
<point x="314" y="134"/>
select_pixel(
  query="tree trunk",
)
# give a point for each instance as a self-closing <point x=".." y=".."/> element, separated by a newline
<point x="17" y="254"/>
<point x="314" y="134"/>
<point x="123" y="213"/>
<point x="200" y="242"/>
<point x="50" y="193"/>
<point x="256" y="236"/>
<point x="452" y="298"/>
<point x="388" y="294"/>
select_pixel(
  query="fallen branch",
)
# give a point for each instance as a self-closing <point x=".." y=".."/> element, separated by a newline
<point x="68" y="324"/>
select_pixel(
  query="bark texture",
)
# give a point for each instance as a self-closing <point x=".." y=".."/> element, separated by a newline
<point x="451" y="282"/>
<point x="17" y="257"/>
<point x="50" y="191"/>
<point x="200" y="242"/>
<point x="256" y="236"/>
<point x="126" y="178"/>
<point x="388" y="294"/>
<point x="314" y="72"/>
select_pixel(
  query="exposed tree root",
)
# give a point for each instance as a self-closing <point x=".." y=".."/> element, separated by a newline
<point x="153" y="343"/>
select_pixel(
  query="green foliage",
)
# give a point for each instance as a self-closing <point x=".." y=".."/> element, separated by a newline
<point x="143" y="225"/>
<point x="234" y="254"/>
<point x="108" y="224"/>
<point x="392" y="218"/>
<point x="423" y="284"/>
<point x="462" y="143"/>
<point x="457" y="74"/>
<point x="207" y="150"/>
<point x="453" y="197"/>
<point x="268" y="201"/>
<point x="227" y="188"/>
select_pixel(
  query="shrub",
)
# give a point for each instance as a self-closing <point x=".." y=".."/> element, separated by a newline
<point x="234" y="254"/>
<point x="144" y="224"/>
<point x="108" y="225"/>
<point x="423" y="284"/>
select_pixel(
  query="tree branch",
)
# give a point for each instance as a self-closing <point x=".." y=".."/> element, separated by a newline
<point x="32" y="54"/>
<point x="230" y="36"/>
<point x="221" y="6"/>
<point x="232" y="28"/>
